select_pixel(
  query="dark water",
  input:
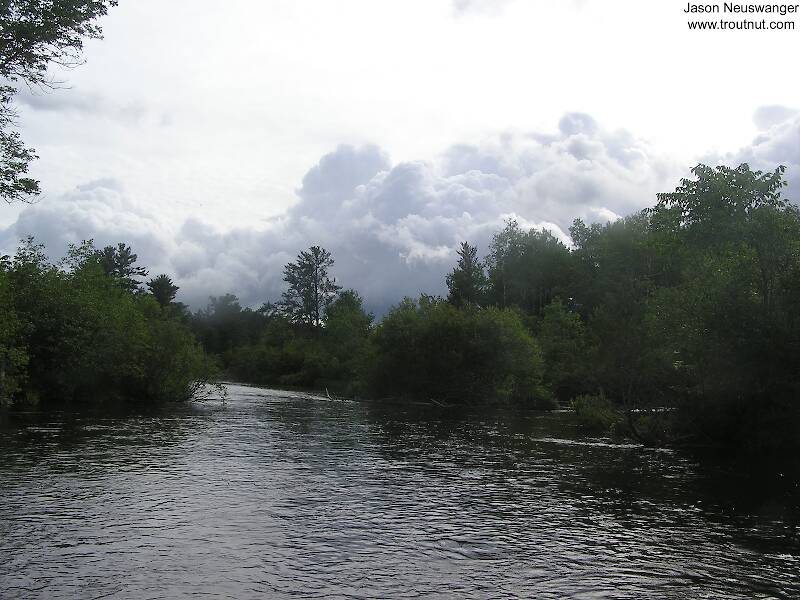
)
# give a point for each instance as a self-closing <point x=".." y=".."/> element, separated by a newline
<point x="282" y="495"/>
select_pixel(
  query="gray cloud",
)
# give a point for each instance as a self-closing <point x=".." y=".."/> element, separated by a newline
<point x="769" y="116"/>
<point x="778" y="143"/>
<point x="77" y="102"/>
<point x="99" y="210"/>
<point x="393" y="228"/>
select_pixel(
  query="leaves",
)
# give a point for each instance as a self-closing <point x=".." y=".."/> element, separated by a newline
<point x="35" y="34"/>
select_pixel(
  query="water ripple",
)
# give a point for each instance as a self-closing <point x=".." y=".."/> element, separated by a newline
<point x="282" y="495"/>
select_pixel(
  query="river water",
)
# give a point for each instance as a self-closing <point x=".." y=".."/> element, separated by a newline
<point x="279" y="494"/>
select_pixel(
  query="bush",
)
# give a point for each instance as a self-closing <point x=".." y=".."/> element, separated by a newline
<point x="596" y="414"/>
<point x="72" y="333"/>
<point x="431" y="350"/>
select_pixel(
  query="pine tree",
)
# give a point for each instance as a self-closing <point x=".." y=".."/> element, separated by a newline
<point x="163" y="289"/>
<point x="311" y="290"/>
<point x="467" y="282"/>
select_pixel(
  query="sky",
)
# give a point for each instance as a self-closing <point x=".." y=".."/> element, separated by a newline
<point x="220" y="139"/>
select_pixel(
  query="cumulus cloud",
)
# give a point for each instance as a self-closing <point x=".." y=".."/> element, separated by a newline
<point x="99" y="210"/>
<point x="778" y="143"/>
<point x="393" y="228"/>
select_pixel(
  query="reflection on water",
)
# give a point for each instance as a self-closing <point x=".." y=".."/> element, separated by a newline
<point x="280" y="494"/>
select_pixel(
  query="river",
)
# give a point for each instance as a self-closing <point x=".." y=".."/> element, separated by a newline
<point x="281" y="494"/>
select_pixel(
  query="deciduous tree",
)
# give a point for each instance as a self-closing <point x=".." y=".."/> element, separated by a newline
<point x="35" y="34"/>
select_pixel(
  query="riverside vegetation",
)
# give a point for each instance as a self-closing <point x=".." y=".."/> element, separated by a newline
<point x="678" y="324"/>
<point x="83" y="331"/>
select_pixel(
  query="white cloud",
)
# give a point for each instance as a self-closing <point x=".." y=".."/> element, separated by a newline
<point x="778" y="143"/>
<point x="393" y="228"/>
<point x="483" y="7"/>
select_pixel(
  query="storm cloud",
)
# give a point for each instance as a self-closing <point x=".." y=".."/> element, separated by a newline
<point x="393" y="228"/>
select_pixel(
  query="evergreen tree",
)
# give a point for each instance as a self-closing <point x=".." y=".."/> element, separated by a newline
<point x="467" y="282"/>
<point x="311" y="290"/>
<point x="118" y="263"/>
<point x="163" y="289"/>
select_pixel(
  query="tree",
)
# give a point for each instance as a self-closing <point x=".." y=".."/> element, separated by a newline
<point x="33" y="35"/>
<point x="346" y="340"/>
<point x="118" y="263"/>
<point x="14" y="156"/>
<point x="163" y="289"/>
<point x="69" y="333"/>
<point x="731" y="319"/>
<point x="467" y="282"/>
<point x="310" y="291"/>
<point x="527" y="269"/>
<point x="562" y="337"/>
<point x="429" y="349"/>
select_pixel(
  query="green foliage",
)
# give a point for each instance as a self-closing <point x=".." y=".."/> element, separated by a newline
<point x="678" y="323"/>
<point x="33" y="35"/>
<point x="467" y="282"/>
<point x="163" y="290"/>
<point x="73" y="334"/>
<point x="15" y="185"/>
<point x="288" y="354"/>
<point x="310" y="289"/>
<point x="596" y="414"/>
<point x="224" y="326"/>
<point x="527" y="269"/>
<point x="431" y="350"/>
<point x="346" y="341"/>
<point x="562" y="337"/>
<point x="731" y="318"/>
<point x="119" y="264"/>
<point x="13" y="353"/>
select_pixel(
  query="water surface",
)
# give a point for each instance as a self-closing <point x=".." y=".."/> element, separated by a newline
<point x="279" y="494"/>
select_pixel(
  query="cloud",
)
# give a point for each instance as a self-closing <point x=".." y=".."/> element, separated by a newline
<point x="394" y="229"/>
<point x="77" y="102"/>
<point x="99" y="210"/>
<point x="769" y="116"/>
<point x="778" y="143"/>
<point x="491" y="7"/>
<point x="495" y="7"/>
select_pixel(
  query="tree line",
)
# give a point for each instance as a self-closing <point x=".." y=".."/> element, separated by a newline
<point x="679" y="323"/>
<point x="85" y="330"/>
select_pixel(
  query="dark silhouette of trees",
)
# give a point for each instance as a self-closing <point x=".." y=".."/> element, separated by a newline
<point x="526" y="269"/>
<point x="310" y="290"/>
<point x="33" y="35"/>
<point x="676" y="324"/>
<point x="467" y="282"/>
<point x="119" y="264"/>
<point x="163" y="289"/>
<point x="431" y="350"/>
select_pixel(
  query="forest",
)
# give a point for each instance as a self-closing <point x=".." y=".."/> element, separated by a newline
<point x="675" y="325"/>
<point x="678" y="324"/>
